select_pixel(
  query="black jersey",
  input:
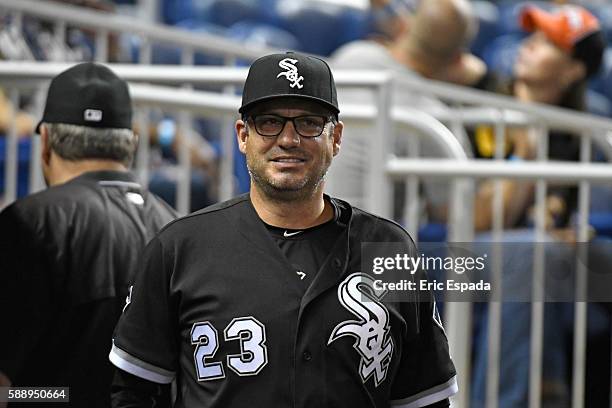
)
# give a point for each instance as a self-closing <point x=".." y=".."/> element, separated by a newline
<point x="217" y="307"/>
<point x="68" y="256"/>
<point x="307" y="249"/>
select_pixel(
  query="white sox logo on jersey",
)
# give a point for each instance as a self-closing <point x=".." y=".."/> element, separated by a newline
<point x="291" y="72"/>
<point x="373" y="342"/>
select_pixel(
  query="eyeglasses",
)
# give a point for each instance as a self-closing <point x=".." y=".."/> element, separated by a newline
<point x="306" y="126"/>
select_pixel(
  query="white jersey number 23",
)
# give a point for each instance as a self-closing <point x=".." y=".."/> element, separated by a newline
<point x="253" y="352"/>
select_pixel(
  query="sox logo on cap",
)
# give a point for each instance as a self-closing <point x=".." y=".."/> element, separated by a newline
<point x="291" y="72"/>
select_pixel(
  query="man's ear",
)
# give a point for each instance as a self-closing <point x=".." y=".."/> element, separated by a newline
<point x="44" y="143"/>
<point x="337" y="137"/>
<point x="242" y="134"/>
<point x="136" y="139"/>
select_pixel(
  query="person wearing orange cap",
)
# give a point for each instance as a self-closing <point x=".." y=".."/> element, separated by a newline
<point x="553" y="64"/>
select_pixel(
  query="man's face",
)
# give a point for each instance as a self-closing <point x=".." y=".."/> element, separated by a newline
<point x="288" y="166"/>
<point x="539" y="61"/>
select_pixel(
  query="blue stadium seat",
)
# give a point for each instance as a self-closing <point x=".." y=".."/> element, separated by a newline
<point x="604" y="14"/>
<point x="221" y="12"/>
<point x="228" y="12"/>
<point x="433" y="232"/>
<point x="509" y="14"/>
<point x="170" y="54"/>
<point x="355" y="25"/>
<point x="263" y="35"/>
<point x="165" y="54"/>
<point x="602" y="83"/>
<point x="23" y="165"/>
<point x="321" y="28"/>
<point x="598" y="104"/>
<point x="487" y="14"/>
<point x="499" y="54"/>
<point x="174" y="11"/>
<point x="600" y="211"/>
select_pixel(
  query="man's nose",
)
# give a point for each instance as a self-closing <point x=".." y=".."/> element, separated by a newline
<point x="289" y="137"/>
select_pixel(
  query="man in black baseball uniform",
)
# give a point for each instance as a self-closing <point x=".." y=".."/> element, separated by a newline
<point x="259" y="301"/>
<point x="69" y="253"/>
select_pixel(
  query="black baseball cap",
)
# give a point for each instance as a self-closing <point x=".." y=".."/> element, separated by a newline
<point x="289" y="75"/>
<point x="88" y="94"/>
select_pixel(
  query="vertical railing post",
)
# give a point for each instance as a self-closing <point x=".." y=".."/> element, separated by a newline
<point x="495" y="304"/>
<point x="143" y="152"/>
<point x="537" y="301"/>
<point x="458" y="315"/>
<point x="580" y="311"/>
<point x="183" y="184"/>
<point x="101" y="52"/>
<point x="11" y="154"/>
<point x="226" y="164"/>
<point x="59" y="33"/>
<point x="378" y="186"/>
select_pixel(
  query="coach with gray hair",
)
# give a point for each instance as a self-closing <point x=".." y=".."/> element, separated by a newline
<point x="68" y="254"/>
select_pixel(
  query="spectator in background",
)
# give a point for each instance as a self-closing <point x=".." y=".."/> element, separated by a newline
<point x="69" y="253"/>
<point x="167" y="139"/>
<point x="433" y="47"/>
<point x="24" y="124"/>
<point x="35" y="39"/>
<point x="553" y="65"/>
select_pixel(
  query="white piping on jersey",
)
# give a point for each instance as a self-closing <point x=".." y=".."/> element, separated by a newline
<point x="430" y="396"/>
<point x="129" y="184"/>
<point x="139" y="368"/>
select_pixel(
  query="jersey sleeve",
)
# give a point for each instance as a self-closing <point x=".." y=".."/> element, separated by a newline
<point x="25" y="291"/>
<point x="426" y="375"/>
<point x="143" y="343"/>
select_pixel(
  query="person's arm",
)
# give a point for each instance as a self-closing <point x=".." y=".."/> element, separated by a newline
<point x="130" y="391"/>
<point x="467" y="70"/>
<point x="144" y="345"/>
<point x="516" y="195"/>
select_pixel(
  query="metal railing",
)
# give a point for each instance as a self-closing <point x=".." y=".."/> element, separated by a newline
<point x="382" y="167"/>
<point x="104" y="23"/>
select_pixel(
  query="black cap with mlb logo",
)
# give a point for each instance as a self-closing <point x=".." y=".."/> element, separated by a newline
<point x="88" y="94"/>
<point x="289" y="75"/>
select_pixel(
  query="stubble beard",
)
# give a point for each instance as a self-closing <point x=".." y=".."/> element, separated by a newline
<point x="280" y="191"/>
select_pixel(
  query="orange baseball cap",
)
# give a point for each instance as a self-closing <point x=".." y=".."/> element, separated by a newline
<point x="572" y="28"/>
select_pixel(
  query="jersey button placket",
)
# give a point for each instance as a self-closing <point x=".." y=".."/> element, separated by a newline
<point x="307" y="356"/>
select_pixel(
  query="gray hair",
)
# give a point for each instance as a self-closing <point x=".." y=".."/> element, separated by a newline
<point x="73" y="142"/>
